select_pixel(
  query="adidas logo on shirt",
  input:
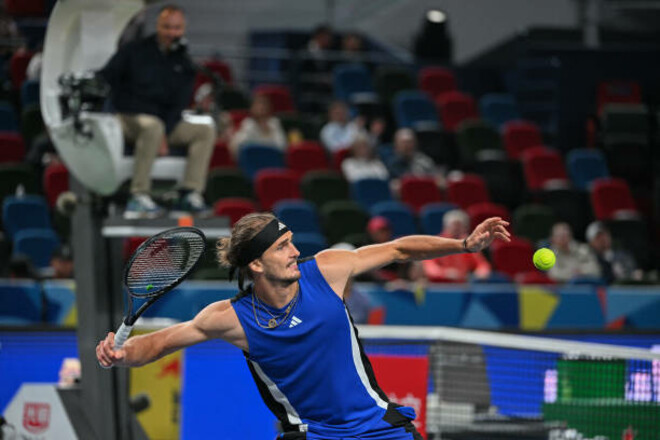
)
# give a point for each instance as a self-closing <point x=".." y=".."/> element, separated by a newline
<point x="281" y="226"/>
<point x="294" y="322"/>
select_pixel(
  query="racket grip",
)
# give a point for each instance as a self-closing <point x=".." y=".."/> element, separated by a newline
<point x="122" y="334"/>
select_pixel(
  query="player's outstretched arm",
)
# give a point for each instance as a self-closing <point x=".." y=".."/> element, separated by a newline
<point x="338" y="266"/>
<point x="217" y="320"/>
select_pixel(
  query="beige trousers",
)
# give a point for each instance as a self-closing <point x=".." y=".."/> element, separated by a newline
<point x="147" y="132"/>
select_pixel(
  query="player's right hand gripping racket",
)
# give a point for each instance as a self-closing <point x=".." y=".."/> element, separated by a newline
<point x="156" y="267"/>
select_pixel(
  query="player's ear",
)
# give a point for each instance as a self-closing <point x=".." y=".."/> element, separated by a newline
<point x="256" y="266"/>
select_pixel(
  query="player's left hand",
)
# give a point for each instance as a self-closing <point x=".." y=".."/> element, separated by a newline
<point x="487" y="231"/>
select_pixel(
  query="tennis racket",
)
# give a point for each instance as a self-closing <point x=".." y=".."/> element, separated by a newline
<point x="156" y="267"/>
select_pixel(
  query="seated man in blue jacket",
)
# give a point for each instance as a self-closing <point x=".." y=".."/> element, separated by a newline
<point x="152" y="82"/>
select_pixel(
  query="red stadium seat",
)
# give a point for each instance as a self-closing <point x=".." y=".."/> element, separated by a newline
<point x="130" y="246"/>
<point x="618" y="92"/>
<point x="455" y="107"/>
<point x="418" y="191"/>
<point x="512" y="257"/>
<point x="279" y="97"/>
<point x="436" y="80"/>
<point x="544" y="168"/>
<point x="611" y="198"/>
<point x="56" y="181"/>
<point x="306" y="156"/>
<point x="237" y="117"/>
<point x="234" y="208"/>
<point x="479" y="212"/>
<point x="339" y="156"/>
<point x="12" y="147"/>
<point x="221" y="156"/>
<point x="18" y="66"/>
<point x="519" y="136"/>
<point x="273" y="185"/>
<point x="467" y="190"/>
<point x="25" y="8"/>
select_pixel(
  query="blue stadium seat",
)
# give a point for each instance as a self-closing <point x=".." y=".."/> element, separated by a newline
<point x="38" y="244"/>
<point x="368" y="192"/>
<point x="414" y="109"/>
<point x="255" y="157"/>
<point x="585" y="165"/>
<point x="431" y="215"/>
<point x="20" y="303"/>
<point x="400" y="216"/>
<point x="309" y="243"/>
<point x="26" y="212"/>
<point x="29" y="93"/>
<point x="352" y="82"/>
<point x="498" y="108"/>
<point x="8" y="119"/>
<point x="299" y="215"/>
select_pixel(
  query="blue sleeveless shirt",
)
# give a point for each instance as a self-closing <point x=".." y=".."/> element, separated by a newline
<point x="311" y="369"/>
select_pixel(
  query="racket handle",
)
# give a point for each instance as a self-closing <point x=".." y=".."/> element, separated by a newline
<point x="122" y="334"/>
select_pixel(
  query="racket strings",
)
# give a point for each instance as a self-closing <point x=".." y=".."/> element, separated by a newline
<point x="163" y="262"/>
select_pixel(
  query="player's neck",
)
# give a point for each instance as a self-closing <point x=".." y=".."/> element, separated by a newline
<point x="275" y="294"/>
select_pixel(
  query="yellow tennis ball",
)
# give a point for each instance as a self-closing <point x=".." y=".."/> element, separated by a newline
<point x="544" y="259"/>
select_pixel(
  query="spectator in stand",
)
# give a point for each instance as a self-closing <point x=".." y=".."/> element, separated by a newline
<point x="615" y="264"/>
<point x="21" y="267"/>
<point x="316" y="63"/>
<point x="61" y="263"/>
<point x="363" y="162"/>
<point x="352" y="48"/>
<point x="339" y="132"/>
<point x="9" y="34"/>
<point x="574" y="259"/>
<point x="152" y="83"/>
<point x="456" y="268"/>
<point x="407" y="159"/>
<point x="261" y="127"/>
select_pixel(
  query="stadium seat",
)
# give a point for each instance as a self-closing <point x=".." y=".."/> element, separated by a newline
<point x="633" y="236"/>
<point x="56" y="181"/>
<point x="388" y="81"/>
<point x="518" y="136"/>
<point x="585" y="165"/>
<point x="456" y="107"/>
<point x="611" y="198"/>
<point x="8" y="119"/>
<point x="232" y="98"/>
<point x="32" y="123"/>
<point x="27" y="212"/>
<point x="569" y="205"/>
<point x="479" y="212"/>
<point x="417" y="191"/>
<point x="342" y="218"/>
<point x="320" y="187"/>
<point x="438" y="145"/>
<point x="339" y="156"/>
<point x="629" y="158"/>
<point x="308" y="125"/>
<point x="273" y="185"/>
<point x="37" y="243"/>
<point x="221" y="156"/>
<point x="29" y="93"/>
<point x="498" y="108"/>
<point x="13" y="176"/>
<point x="630" y="121"/>
<point x="413" y="109"/>
<point x="307" y="156"/>
<point x="477" y="140"/>
<point x="234" y="208"/>
<point x="20" y="303"/>
<point x="436" y="80"/>
<point x="279" y="97"/>
<point x="352" y="81"/>
<point x="431" y="216"/>
<point x="533" y="221"/>
<point x="400" y="217"/>
<point x="218" y="67"/>
<point x="237" y="116"/>
<point x="12" y="147"/>
<point x="25" y="8"/>
<point x="465" y="190"/>
<point x="544" y="169"/>
<point x="512" y="257"/>
<point x="254" y="157"/>
<point x="18" y="66"/>
<point x="298" y="215"/>
<point x="504" y="180"/>
<point x="226" y="182"/>
<point x="309" y="243"/>
<point x="368" y="192"/>
<point x="617" y="92"/>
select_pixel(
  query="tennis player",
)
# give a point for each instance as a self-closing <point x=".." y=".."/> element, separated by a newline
<point x="298" y="337"/>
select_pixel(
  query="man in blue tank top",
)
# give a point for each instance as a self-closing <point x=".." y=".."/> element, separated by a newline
<point x="297" y="335"/>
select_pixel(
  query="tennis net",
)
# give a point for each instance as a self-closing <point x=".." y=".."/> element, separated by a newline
<point x="487" y="385"/>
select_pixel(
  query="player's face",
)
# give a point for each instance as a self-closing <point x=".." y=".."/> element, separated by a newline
<point x="170" y="27"/>
<point x="280" y="260"/>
